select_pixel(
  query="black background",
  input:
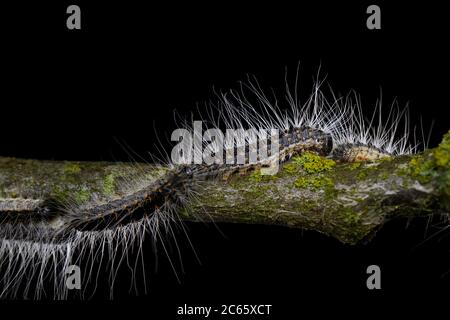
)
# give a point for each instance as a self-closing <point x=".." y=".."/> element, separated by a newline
<point x="73" y="94"/>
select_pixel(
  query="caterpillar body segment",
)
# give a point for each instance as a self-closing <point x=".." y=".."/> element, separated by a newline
<point x="358" y="153"/>
<point x="165" y="193"/>
<point x="290" y="143"/>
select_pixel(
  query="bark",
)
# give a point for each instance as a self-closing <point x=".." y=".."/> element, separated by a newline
<point x="348" y="201"/>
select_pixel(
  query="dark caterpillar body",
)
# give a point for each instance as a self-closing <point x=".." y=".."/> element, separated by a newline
<point x="173" y="187"/>
<point x="169" y="190"/>
<point x="290" y="142"/>
<point x="320" y="142"/>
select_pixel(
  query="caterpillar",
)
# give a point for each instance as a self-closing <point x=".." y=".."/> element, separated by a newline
<point x="40" y="239"/>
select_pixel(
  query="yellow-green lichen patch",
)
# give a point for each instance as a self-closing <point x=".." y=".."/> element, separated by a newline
<point x="433" y="166"/>
<point x="290" y="168"/>
<point x="309" y="170"/>
<point x="441" y="156"/>
<point x="350" y="217"/>
<point x="109" y="184"/>
<point x="79" y="195"/>
<point x="71" y="168"/>
<point x="314" y="182"/>
<point x="352" y="226"/>
<point x="312" y="163"/>
<point x="421" y="168"/>
<point x="442" y="153"/>
<point x="256" y="176"/>
<point x="82" y="195"/>
<point x="355" y="165"/>
<point x="361" y="175"/>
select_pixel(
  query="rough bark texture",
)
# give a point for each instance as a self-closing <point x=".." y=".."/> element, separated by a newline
<point x="348" y="201"/>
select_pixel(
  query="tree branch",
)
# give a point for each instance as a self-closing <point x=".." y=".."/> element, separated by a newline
<point x="348" y="201"/>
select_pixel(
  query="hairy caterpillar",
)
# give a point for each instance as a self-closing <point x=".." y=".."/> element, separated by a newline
<point x="52" y="231"/>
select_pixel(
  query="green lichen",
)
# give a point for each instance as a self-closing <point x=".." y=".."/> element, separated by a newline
<point x="259" y="191"/>
<point x="314" y="182"/>
<point x="350" y="217"/>
<point x="361" y="175"/>
<point x="355" y="165"/>
<point x="362" y="172"/>
<point x="312" y="163"/>
<point x="441" y="157"/>
<point x="290" y="168"/>
<point x="353" y="227"/>
<point x="442" y="153"/>
<point x="64" y="195"/>
<point x="82" y="195"/>
<point x="434" y="166"/>
<point x="71" y="168"/>
<point x="384" y="175"/>
<point x="59" y="193"/>
<point x="421" y="168"/>
<point x="311" y="168"/>
<point x="256" y="176"/>
<point x="108" y="184"/>
<point x="384" y="159"/>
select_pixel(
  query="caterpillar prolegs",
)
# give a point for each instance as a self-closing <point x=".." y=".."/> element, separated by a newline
<point x="60" y="233"/>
